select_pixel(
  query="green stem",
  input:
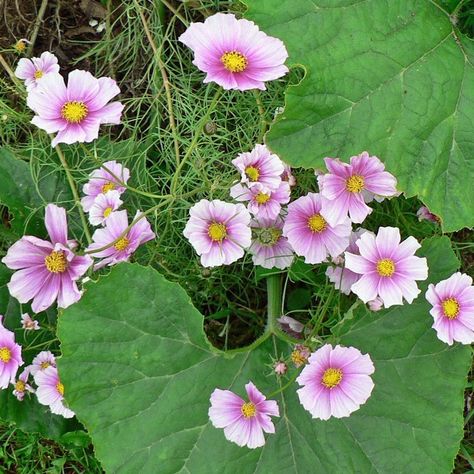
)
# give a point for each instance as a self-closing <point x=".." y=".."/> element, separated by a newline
<point x="77" y="199"/>
<point x="274" y="302"/>
<point x="284" y="387"/>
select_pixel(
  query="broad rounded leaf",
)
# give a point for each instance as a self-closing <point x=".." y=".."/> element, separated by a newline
<point x="393" y="77"/>
<point x="139" y="371"/>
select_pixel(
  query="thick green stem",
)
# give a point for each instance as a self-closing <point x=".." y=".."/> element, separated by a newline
<point x="274" y="302"/>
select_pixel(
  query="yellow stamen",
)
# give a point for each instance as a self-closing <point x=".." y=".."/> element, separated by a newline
<point x="60" y="388"/>
<point x="122" y="244"/>
<point x="355" y="184"/>
<point x="56" y="262"/>
<point x="317" y="223"/>
<point x="20" y="386"/>
<point x="451" y="308"/>
<point x="298" y="358"/>
<point x="20" y="46"/>
<point x="252" y="172"/>
<point x="386" y="267"/>
<point x="5" y="354"/>
<point x="217" y="232"/>
<point x="107" y="212"/>
<point x="109" y="186"/>
<point x="248" y="410"/>
<point x="38" y="74"/>
<point x="331" y="377"/>
<point x="44" y="365"/>
<point x="234" y="61"/>
<point x="74" y="111"/>
<point x="262" y="198"/>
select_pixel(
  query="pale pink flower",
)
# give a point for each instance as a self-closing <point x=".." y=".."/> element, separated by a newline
<point x="342" y="277"/>
<point x="346" y="186"/>
<point x="42" y="361"/>
<point x="47" y="270"/>
<point x="10" y="356"/>
<point x="300" y="355"/>
<point x="22" y="386"/>
<point x="260" y="166"/>
<point x="101" y="182"/>
<point x="104" y="206"/>
<point x="424" y="214"/>
<point x="291" y="326"/>
<point x="33" y="70"/>
<point x="453" y="308"/>
<point x="262" y="201"/>
<point x="310" y="235"/>
<point x="50" y="392"/>
<point x="122" y="250"/>
<point x="29" y="324"/>
<point x="336" y="382"/>
<point x="75" y="111"/>
<point x="269" y="248"/>
<point x="288" y="176"/>
<point x="235" y="53"/>
<point x="243" y="422"/>
<point x="387" y="267"/>
<point x="280" y="368"/>
<point x="376" y="304"/>
<point x="218" y="231"/>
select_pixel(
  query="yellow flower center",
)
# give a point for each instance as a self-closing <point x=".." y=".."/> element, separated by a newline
<point x="252" y="172"/>
<point x="44" y="365"/>
<point x="20" y="386"/>
<point x="39" y="74"/>
<point x="56" y="262"/>
<point x="317" y="223"/>
<point x="74" y="111"/>
<point x="450" y="308"/>
<point x="262" y="198"/>
<point x="298" y="358"/>
<point x="248" y="410"/>
<point x="20" y="46"/>
<point x="331" y="377"/>
<point x="217" y="232"/>
<point x="355" y="184"/>
<point x="5" y="354"/>
<point x="386" y="267"/>
<point x="60" y="388"/>
<point x="234" y="61"/>
<point x="107" y="212"/>
<point x="109" y="186"/>
<point x="122" y="244"/>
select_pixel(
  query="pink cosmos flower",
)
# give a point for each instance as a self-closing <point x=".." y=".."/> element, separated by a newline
<point x="342" y="277"/>
<point x="47" y="270"/>
<point x="310" y="235"/>
<point x="235" y="53"/>
<point x="260" y="166"/>
<point x="76" y="111"/>
<point x="287" y="175"/>
<point x="280" y="368"/>
<point x="346" y="185"/>
<point x="218" y="231"/>
<point x="269" y="248"/>
<point x="42" y="361"/>
<point x="424" y="214"/>
<point x="10" y="356"/>
<point x="453" y="308"/>
<point x="291" y="326"/>
<point x="34" y="69"/>
<point x="101" y="182"/>
<point x="263" y="202"/>
<point x="336" y="382"/>
<point x="389" y="268"/>
<point x="50" y="392"/>
<point x="104" y="206"/>
<point x="243" y="422"/>
<point x="122" y="250"/>
<point x="22" y="386"/>
<point x="29" y="324"/>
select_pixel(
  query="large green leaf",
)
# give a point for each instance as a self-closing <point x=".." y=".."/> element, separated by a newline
<point x="139" y="371"/>
<point x="393" y="77"/>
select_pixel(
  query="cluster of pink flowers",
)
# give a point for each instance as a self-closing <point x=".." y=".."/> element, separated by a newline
<point x="74" y="111"/>
<point x="335" y="382"/>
